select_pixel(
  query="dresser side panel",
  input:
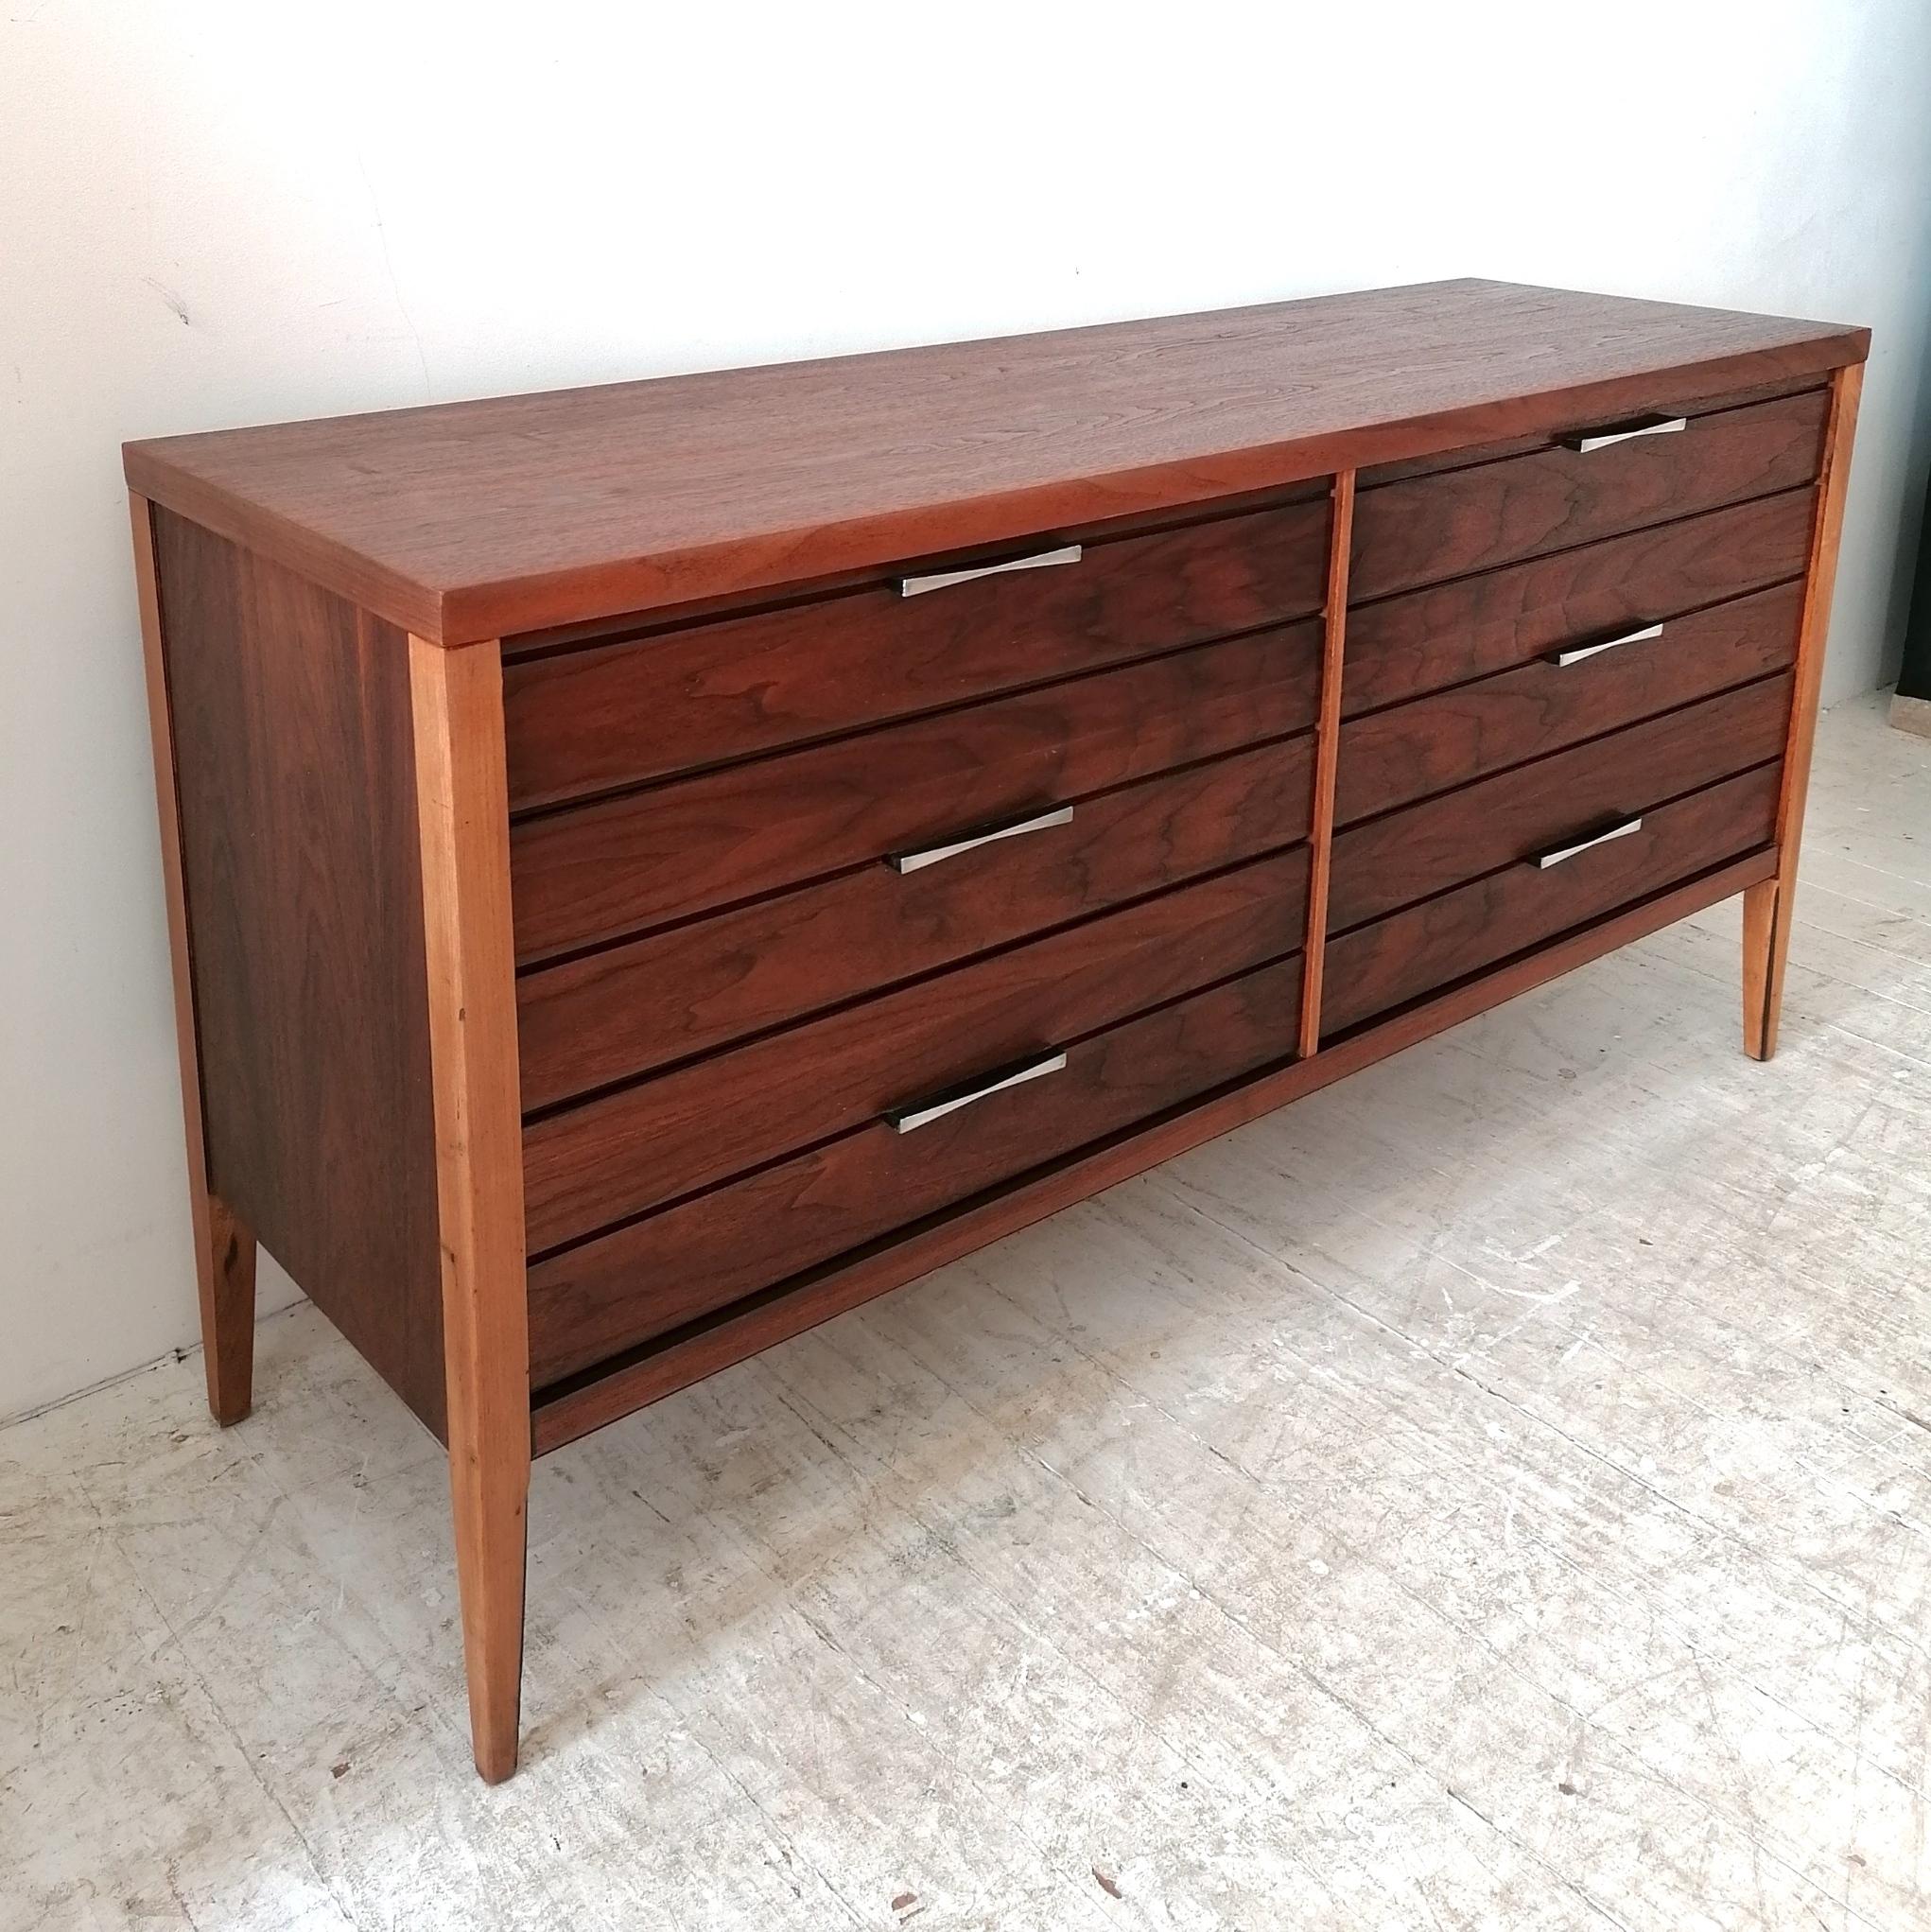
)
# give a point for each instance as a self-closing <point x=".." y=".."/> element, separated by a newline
<point x="303" y="883"/>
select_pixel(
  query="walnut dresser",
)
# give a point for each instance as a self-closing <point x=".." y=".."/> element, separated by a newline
<point x="653" y="867"/>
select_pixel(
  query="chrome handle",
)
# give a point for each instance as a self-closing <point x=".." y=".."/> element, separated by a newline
<point x="1544" y="860"/>
<point x="917" y="861"/>
<point x="1575" y="654"/>
<point x="943" y="580"/>
<point x="922" y="1113"/>
<point x="1586" y="439"/>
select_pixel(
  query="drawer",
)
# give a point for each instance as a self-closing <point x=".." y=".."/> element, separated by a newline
<point x="1411" y="751"/>
<point x="1405" y="647"/>
<point x="587" y="1023"/>
<point x="599" y="871"/>
<point x="590" y="719"/>
<point x="629" y="1151"/>
<point x="641" y="1281"/>
<point x="1406" y="855"/>
<point x="1427" y="947"/>
<point x="1431" y="527"/>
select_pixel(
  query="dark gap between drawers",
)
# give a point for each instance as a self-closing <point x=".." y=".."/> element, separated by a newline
<point x="1753" y="399"/>
<point x="537" y="1257"/>
<point x="1491" y="871"/>
<point x="1449" y="987"/>
<point x="1158" y="523"/>
<point x="1669" y="617"/>
<point x="1808" y="487"/>
<point x="1542" y="757"/>
<point x="531" y="814"/>
<point x="623" y="1082"/>
<point x="763" y="1297"/>
<point x="589" y="950"/>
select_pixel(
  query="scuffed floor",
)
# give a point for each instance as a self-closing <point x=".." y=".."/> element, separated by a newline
<point x="1493" y="1492"/>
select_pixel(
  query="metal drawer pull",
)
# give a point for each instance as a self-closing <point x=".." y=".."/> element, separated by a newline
<point x="913" y="586"/>
<point x="904" y="1119"/>
<point x="917" y="861"/>
<point x="1545" y="860"/>
<point x="1586" y="439"/>
<point x="1575" y="654"/>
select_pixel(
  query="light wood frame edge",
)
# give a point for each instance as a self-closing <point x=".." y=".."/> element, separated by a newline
<point x="1768" y="908"/>
<point x="1326" y="756"/>
<point x="462" y="815"/>
<point x="225" y="1252"/>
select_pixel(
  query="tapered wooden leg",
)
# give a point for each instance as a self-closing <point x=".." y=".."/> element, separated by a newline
<point x="1766" y="939"/>
<point x="224" y="1245"/>
<point x="1768" y="908"/>
<point x="224" y="1261"/>
<point x="463" y="818"/>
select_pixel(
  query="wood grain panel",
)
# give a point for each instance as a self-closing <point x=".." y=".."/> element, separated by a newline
<point x="1411" y="751"/>
<point x="225" y="1249"/>
<point x="631" y="1150"/>
<point x="1439" y="527"/>
<point x="596" y="872"/>
<point x="1403" y="856"/>
<point x="610" y="1294"/>
<point x="526" y="511"/>
<point x="587" y="1022"/>
<point x="297" y="792"/>
<point x="1394" y="959"/>
<point x="619" y="1386"/>
<point x="1405" y="647"/>
<point x="594" y="719"/>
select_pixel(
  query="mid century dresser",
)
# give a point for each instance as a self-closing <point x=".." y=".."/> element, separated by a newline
<point x="651" y="866"/>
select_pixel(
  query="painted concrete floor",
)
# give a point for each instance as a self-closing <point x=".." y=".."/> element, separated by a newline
<point x="1493" y="1492"/>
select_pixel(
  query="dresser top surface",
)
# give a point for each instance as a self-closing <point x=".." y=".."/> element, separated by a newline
<point x="478" y="519"/>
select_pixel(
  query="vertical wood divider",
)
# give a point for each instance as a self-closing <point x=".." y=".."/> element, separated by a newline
<point x="462" y="811"/>
<point x="224" y="1245"/>
<point x="1768" y="908"/>
<point x="1327" y="754"/>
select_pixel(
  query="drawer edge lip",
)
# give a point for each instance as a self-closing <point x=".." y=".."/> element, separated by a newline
<point x="537" y="811"/>
<point x="613" y="630"/>
<point x="1356" y="826"/>
<point x="1789" y="388"/>
<point x="1672" y="615"/>
<point x="532" y="966"/>
<point x="636" y="1077"/>
<point x="536" y="1257"/>
<point x="595" y="1397"/>
<point x="1809" y="488"/>
<point x="1598" y="734"/>
<point x="481" y="611"/>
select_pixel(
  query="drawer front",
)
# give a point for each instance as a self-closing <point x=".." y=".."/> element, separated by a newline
<point x="1523" y="445"/>
<point x="1405" y="646"/>
<point x="629" y="1151"/>
<point x="1404" y="855"/>
<point x="1433" y="528"/>
<point x="587" y="1023"/>
<point x="1411" y="751"/>
<point x="591" y="719"/>
<point x="600" y="871"/>
<point x="591" y="1301"/>
<point x="1427" y="947"/>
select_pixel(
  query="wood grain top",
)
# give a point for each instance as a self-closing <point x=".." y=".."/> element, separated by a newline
<point x="481" y="519"/>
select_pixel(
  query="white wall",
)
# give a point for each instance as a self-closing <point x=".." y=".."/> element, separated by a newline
<point x="224" y="211"/>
